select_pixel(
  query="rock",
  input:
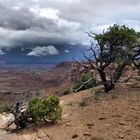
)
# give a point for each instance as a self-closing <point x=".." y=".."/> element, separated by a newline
<point x="62" y="102"/>
<point x="87" y="134"/>
<point x="122" y="123"/>
<point x="126" y="79"/>
<point x="121" y="136"/>
<point x="116" y="115"/>
<point x="129" y="84"/>
<point x="102" y="118"/>
<point x="129" y="119"/>
<point x="68" y="124"/>
<point x="90" y="124"/>
<point x="6" y="119"/>
<point x="74" y="136"/>
<point x="42" y="135"/>
<point x="66" y="115"/>
<point x="138" y="125"/>
<point x="135" y="85"/>
<point x="89" y="127"/>
<point x="137" y="78"/>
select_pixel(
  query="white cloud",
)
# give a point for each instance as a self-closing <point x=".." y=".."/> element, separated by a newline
<point x="67" y="51"/>
<point x="2" y="52"/>
<point x="61" y="21"/>
<point x="51" y="13"/>
<point x="43" y="51"/>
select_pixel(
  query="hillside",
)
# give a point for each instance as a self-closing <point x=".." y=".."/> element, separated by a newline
<point x="111" y="116"/>
<point x="18" y="81"/>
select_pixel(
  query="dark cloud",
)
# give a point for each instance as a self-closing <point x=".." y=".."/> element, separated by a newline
<point x="28" y="25"/>
<point x="31" y="23"/>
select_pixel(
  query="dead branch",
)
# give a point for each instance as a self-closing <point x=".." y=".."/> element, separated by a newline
<point x="83" y="84"/>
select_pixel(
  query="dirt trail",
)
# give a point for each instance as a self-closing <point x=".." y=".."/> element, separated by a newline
<point x="109" y="117"/>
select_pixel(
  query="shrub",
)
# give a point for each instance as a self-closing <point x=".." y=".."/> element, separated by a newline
<point x="6" y="108"/>
<point x="48" y="108"/>
<point x="77" y="84"/>
<point x="96" y="97"/>
<point x="81" y="83"/>
<point x="114" y="96"/>
<point x="82" y="103"/>
<point x="86" y="77"/>
<point x="66" y="91"/>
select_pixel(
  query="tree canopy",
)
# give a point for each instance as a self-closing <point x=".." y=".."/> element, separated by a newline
<point x="119" y="45"/>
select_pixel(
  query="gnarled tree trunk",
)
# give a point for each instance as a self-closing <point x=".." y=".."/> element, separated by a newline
<point x="109" y="85"/>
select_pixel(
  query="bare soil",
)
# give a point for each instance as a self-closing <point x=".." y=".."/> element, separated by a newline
<point x="112" y="116"/>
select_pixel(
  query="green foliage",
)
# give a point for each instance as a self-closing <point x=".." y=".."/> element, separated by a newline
<point x="6" y="108"/>
<point x="84" y="78"/>
<point x="119" y="36"/>
<point x="114" y="96"/>
<point x="66" y="91"/>
<point x="77" y="84"/>
<point x="82" y="103"/>
<point x="45" y="108"/>
<point x="96" y="97"/>
<point x="118" y="43"/>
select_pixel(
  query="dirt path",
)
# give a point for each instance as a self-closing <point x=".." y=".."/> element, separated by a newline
<point x="111" y="117"/>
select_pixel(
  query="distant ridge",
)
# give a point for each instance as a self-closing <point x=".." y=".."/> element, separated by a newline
<point x="2" y="62"/>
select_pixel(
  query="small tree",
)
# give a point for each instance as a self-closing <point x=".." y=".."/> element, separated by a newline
<point x="47" y="108"/>
<point x="118" y="45"/>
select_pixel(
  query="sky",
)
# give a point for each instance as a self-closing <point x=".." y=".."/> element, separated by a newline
<point x="50" y="31"/>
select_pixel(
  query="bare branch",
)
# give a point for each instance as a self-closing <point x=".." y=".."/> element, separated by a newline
<point x="80" y="64"/>
<point x="94" y="54"/>
<point x="91" y="34"/>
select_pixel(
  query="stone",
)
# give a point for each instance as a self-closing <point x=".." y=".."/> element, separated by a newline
<point x="138" y="125"/>
<point x="121" y="136"/>
<point x="90" y="124"/>
<point x="137" y="78"/>
<point x="68" y="124"/>
<point x="102" y="118"/>
<point x="42" y="134"/>
<point x="122" y="123"/>
<point x="87" y="134"/>
<point x="74" y="136"/>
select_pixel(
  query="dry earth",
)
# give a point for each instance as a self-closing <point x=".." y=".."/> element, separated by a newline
<point x="114" y="116"/>
<point x="27" y="81"/>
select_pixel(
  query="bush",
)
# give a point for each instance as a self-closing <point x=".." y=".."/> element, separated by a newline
<point x="48" y="108"/>
<point x="66" y="91"/>
<point x="82" y="103"/>
<point x="6" y="108"/>
<point x="114" y="96"/>
<point x="77" y="84"/>
<point x="84" y="79"/>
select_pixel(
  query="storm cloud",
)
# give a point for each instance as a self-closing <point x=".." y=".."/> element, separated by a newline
<point x="32" y="23"/>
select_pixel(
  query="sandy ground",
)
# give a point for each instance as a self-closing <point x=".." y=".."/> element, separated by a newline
<point x="114" y="116"/>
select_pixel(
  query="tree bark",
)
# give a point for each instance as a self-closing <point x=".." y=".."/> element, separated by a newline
<point x="107" y="84"/>
<point x="118" y="72"/>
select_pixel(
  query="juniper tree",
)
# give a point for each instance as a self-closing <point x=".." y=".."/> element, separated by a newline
<point x="118" y="45"/>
